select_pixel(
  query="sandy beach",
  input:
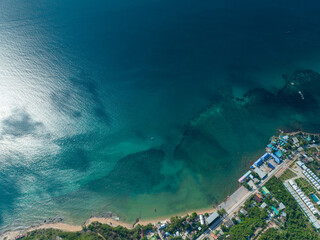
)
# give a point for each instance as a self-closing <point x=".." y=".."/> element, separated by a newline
<point x="110" y="221"/>
<point x="114" y="222"/>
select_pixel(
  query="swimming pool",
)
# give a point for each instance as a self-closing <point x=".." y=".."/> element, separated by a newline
<point x="315" y="198"/>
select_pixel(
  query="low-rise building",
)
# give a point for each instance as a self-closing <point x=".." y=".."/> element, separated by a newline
<point x="243" y="211"/>
<point x="263" y="205"/>
<point x="212" y="218"/>
<point x="244" y="177"/>
<point x="295" y="140"/>
<point x="201" y="219"/>
<point x="229" y="223"/>
<point x="257" y="197"/>
<point x="265" y="191"/>
<point x="281" y="206"/>
<point x="283" y="216"/>
<point x="261" y="174"/>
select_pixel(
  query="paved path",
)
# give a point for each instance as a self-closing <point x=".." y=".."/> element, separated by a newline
<point x="270" y="225"/>
<point x="278" y="171"/>
<point x="281" y="168"/>
<point x="160" y="235"/>
<point x="101" y="236"/>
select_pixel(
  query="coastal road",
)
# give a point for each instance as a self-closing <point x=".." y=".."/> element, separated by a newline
<point x="281" y="168"/>
<point x="278" y="171"/>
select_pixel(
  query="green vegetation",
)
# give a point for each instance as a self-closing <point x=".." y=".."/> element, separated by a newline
<point x="95" y="231"/>
<point x="297" y="225"/>
<point x="305" y="186"/>
<point x="187" y="223"/>
<point x="256" y="218"/>
<point x="303" y="142"/>
<point x="46" y="234"/>
<point x="177" y="224"/>
<point x="287" y="175"/>
<point x="271" y="234"/>
<point x="308" y="189"/>
<point x="311" y="151"/>
<point x="98" y="231"/>
<point x="193" y="217"/>
<point x="222" y="212"/>
<point x="256" y="175"/>
<point x="292" y="164"/>
<point x="247" y="186"/>
<point x="314" y="167"/>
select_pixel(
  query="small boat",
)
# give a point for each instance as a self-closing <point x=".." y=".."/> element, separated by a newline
<point x="302" y="97"/>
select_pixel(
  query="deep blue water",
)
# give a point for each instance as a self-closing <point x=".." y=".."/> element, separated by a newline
<point x="86" y="85"/>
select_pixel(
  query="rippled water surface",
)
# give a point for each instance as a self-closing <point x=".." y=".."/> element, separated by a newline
<point x="127" y="106"/>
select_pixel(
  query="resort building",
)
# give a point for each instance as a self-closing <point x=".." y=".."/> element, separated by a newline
<point x="244" y="177"/>
<point x="305" y="209"/>
<point x="301" y="165"/>
<point x="276" y="158"/>
<point x="201" y="219"/>
<point x="259" y="162"/>
<point x="265" y="191"/>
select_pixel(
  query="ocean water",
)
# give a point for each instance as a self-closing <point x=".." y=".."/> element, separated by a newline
<point x="126" y="106"/>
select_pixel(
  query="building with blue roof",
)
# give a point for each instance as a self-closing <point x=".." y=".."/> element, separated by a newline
<point x="258" y="162"/>
<point x="270" y="166"/>
<point x="265" y="156"/>
<point x="279" y="154"/>
<point x="276" y="159"/>
<point x="244" y="177"/>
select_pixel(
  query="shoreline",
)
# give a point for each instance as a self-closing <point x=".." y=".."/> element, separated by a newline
<point x="111" y="221"/>
<point x="67" y="227"/>
<point x="297" y="132"/>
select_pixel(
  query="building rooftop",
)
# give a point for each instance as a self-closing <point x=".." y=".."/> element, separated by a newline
<point x="247" y="174"/>
<point x="299" y="163"/>
<point x="214" y="216"/>
<point x="281" y="206"/>
<point x="295" y="140"/>
<point x="257" y="197"/>
<point x="261" y="174"/>
<point x="265" y="190"/>
<point x="229" y="223"/>
<point x="263" y="205"/>
<point x="243" y="211"/>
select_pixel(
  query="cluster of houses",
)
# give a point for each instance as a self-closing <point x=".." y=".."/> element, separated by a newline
<point x="309" y="175"/>
<point x="260" y="169"/>
<point x="198" y="224"/>
<point x="275" y="211"/>
<point x="304" y="198"/>
<point x="311" y="218"/>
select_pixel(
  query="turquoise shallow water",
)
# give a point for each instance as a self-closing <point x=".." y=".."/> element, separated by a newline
<point x="129" y="106"/>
